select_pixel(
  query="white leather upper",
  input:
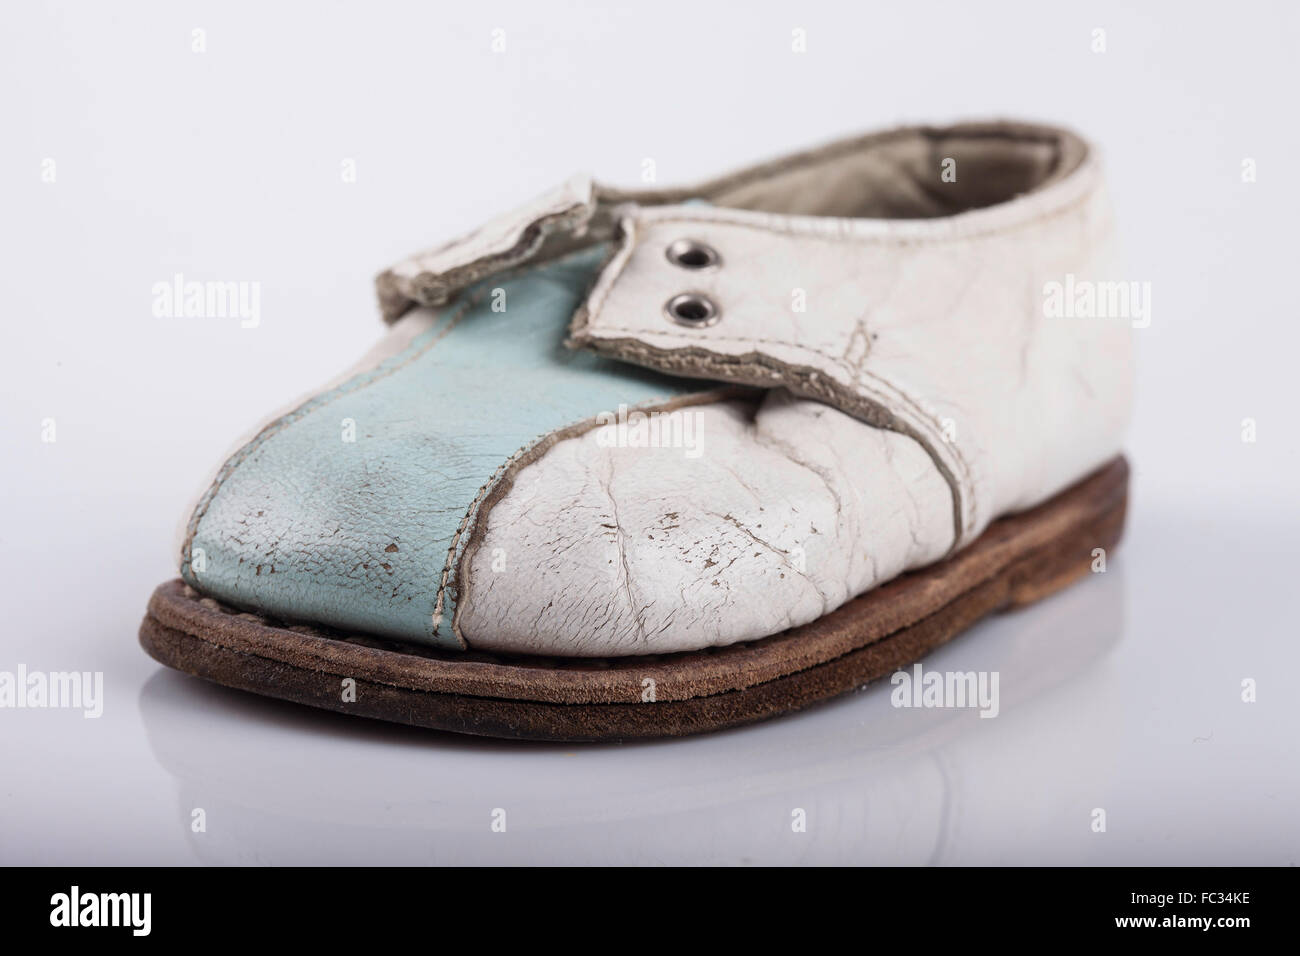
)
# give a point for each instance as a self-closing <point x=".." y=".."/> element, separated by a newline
<point x="934" y="327"/>
<point x="916" y="390"/>
<point x="792" y="508"/>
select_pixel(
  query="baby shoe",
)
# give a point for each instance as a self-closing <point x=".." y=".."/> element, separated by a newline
<point x="635" y="463"/>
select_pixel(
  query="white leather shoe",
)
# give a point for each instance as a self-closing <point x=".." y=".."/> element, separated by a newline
<point x="638" y="463"/>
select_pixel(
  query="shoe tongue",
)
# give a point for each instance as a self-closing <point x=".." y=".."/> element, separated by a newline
<point x="554" y="222"/>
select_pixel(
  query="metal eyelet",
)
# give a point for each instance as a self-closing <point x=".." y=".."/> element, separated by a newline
<point x="693" y="254"/>
<point x="693" y="310"/>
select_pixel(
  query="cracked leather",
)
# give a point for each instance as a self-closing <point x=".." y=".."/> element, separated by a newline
<point x="910" y="390"/>
<point x="919" y="391"/>
<point x="933" y="328"/>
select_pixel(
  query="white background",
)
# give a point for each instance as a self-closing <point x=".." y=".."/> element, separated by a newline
<point x="1122" y="693"/>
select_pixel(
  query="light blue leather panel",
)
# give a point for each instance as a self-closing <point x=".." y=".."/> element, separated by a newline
<point x="306" y="526"/>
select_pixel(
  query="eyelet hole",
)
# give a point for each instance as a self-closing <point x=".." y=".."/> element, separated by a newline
<point x="693" y="254"/>
<point x="692" y="309"/>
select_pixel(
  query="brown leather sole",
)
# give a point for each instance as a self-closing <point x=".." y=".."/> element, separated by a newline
<point x="1018" y="560"/>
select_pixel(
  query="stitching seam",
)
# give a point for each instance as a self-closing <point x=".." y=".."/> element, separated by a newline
<point x="885" y="392"/>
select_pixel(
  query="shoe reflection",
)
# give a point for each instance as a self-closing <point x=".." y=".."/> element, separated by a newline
<point x="876" y="784"/>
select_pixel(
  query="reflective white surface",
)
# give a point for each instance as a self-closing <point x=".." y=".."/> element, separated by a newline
<point x="1123" y="693"/>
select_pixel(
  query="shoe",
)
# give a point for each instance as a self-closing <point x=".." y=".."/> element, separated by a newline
<point x="649" y="463"/>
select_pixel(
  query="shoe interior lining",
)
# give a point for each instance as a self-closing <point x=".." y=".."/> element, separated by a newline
<point x="899" y="175"/>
